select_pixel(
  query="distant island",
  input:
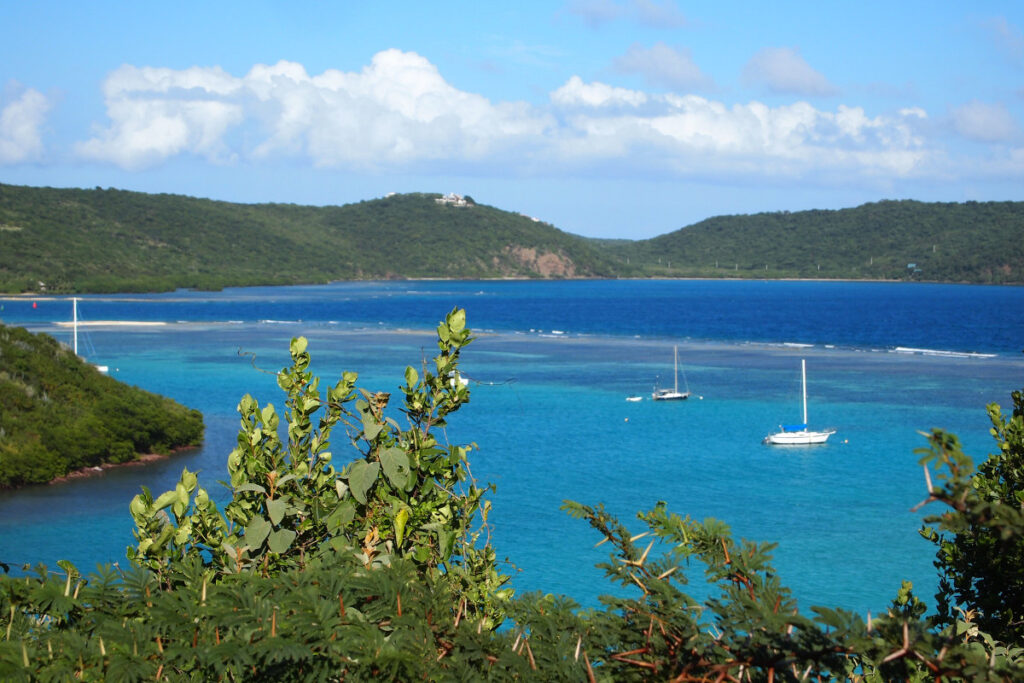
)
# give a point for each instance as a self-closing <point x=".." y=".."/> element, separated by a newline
<point x="106" y="240"/>
<point x="59" y="415"/>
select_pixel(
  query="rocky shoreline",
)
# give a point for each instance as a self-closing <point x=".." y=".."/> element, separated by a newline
<point x="97" y="470"/>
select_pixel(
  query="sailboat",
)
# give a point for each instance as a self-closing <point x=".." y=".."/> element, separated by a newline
<point x="798" y="435"/>
<point x="672" y="394"/>
<point x="74" y="311"/>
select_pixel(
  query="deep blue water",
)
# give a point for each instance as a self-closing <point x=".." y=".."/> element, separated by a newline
<point x="551" y="371"/>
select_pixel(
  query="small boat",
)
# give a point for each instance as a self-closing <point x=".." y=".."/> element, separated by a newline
<point x="74" y="313"/>
<point x="634" y="399"/>
<point x="799" y="435"/>
<point x="673" y="394"/>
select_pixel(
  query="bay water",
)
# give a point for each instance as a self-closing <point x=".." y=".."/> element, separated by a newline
<point x="550" y="370"/>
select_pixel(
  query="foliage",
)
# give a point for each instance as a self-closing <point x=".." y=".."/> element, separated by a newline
<point x="58" y="413"/>
<point x="946" y="242"/>
<point x="407" y="495"/>
<point x="367" y="585"/>
<point x="67" y="239"/>
<point x="980" y="538"/>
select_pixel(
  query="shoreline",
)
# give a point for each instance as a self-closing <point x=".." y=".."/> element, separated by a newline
<point x="21" y="296"/>
<point x="98" y="470"/>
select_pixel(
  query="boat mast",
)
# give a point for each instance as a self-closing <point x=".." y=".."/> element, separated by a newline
<point x="803" y="378"/>
<point x="74" y="309"/>
<point x="675" y="365"/>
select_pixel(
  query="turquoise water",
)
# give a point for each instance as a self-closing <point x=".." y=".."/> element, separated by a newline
<point x="551" y="372"/>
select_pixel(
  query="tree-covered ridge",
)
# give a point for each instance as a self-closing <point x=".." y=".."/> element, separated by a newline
<point x="380" y="568"/>
<point x="979" y="242"/>
<point x="59" y="414"/>
<point x="113" y="240"/>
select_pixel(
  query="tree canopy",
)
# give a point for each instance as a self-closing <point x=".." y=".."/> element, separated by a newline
<point x="58" y="413"/>
<point x="71" y="240"/>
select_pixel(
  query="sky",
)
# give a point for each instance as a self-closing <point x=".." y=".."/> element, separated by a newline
<point x="606" y="118"/>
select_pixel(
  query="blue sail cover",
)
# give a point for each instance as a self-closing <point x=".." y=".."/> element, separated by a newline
<point x="794" y="428"/>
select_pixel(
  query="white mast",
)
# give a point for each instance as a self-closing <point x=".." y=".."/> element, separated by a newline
<point x="74" y="309"/>
<point x="675" y="364"/>
<point x="803" y="378"/>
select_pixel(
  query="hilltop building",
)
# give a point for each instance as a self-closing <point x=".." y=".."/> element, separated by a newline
<point x="453" y="199"/>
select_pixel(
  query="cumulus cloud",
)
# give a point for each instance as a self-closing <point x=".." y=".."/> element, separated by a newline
<point x="690" y="134"/>
<point x="983" y="122"/>
<point x="662" y="65"/>
<point x="398" y="113"/>
<point x="781" y="70"/>
<point x="576" y="93"/>
<point x="397" y="110"/>
<point x="664" y="14"/>
<point x="21" y="122"/>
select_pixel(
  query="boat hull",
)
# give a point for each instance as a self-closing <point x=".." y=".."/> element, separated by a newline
<point x="670" y="396"/>
<point x="797" y="438"/>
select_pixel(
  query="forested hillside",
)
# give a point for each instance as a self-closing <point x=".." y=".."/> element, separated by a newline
<point x="891" y="240"/>
<point x="113" y="240"/>
<point x="58" y="413"/>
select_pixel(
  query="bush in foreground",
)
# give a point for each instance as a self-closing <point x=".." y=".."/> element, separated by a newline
<point x="382" y="569"/>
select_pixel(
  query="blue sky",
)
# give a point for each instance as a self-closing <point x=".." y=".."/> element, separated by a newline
<point x="607" y="118"/>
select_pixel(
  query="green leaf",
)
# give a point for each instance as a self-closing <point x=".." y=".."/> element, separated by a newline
<point x="457" y="320"/>
<point x="298" y="346"/>
<point x="280" y="541"/>
<point x="341" y="517"/>
<point x="361" y="477"/>
<point x="400" y="519"/>
<point x="371" y="428"/>
<point x="276" y="509"/>
<point x="166" y="498"/>
<point x="411" y="376"/>
<point x="396" y="467"/>
<point x="256" y="531"/>
<point x="255" y="488"/>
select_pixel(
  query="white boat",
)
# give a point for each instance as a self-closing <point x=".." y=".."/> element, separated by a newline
<point x="74" y="312"/>
<point x="673" y="394"/>
<point x="799" y="435"/>
<point x="634" y="399"/>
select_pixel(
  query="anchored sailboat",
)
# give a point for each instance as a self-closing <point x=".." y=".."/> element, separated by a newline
<point x="74" y="313"/>
<point x="799" y="435"/>
<point x="673" y="394"/>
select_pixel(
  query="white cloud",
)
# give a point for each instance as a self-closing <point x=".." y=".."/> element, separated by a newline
<point x="781" y="70"/>
<point x="663" y="65"/>
<point x="691" y="135"/>
<point x="399" y="113"/>
<point x="663" y="15"/>
<point x="983" y="122"/>
<point x="21" y="121"/>
<point x="576" y="93"/>
<point x="396" y="110"/>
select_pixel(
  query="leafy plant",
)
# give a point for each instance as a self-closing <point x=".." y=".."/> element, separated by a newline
<point x="379" y="570"/>
<point x="406" y="495"/>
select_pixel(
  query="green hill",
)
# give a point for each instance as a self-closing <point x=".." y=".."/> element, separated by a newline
<point x="59" y="414"/>
<point x="113" y="240"/>
<point x="971" y="242"/>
